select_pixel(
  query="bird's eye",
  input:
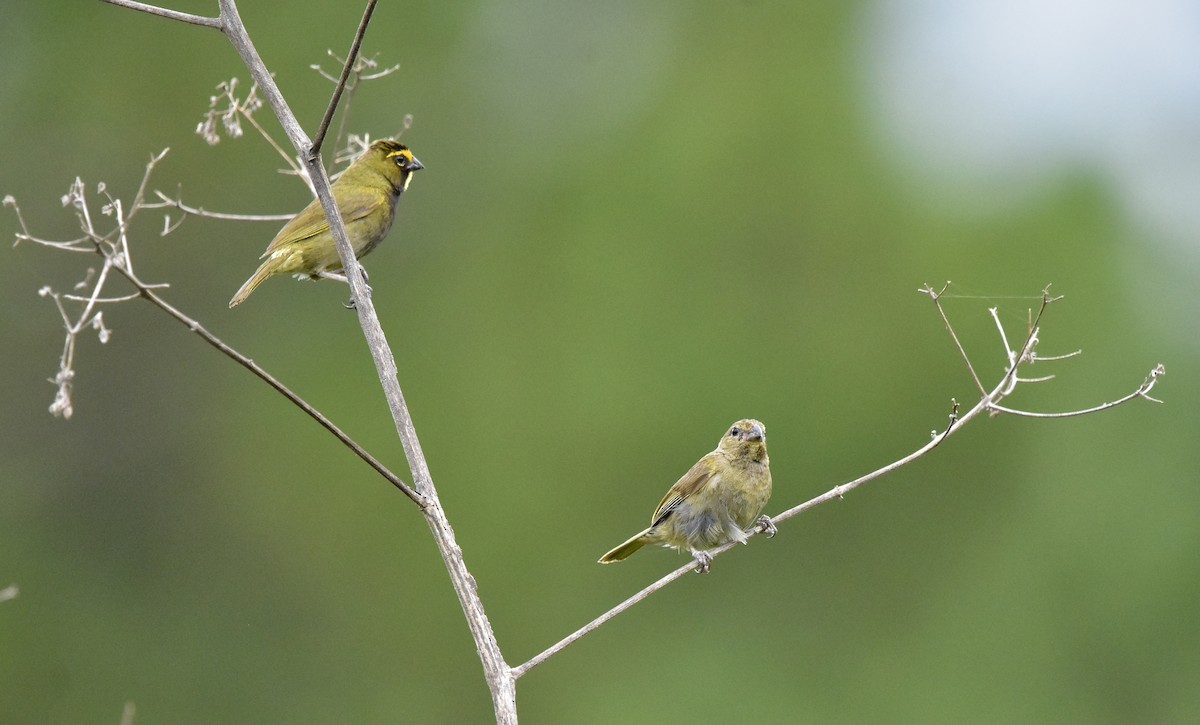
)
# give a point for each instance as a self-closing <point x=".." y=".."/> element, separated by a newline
<point x="734" y="432"/>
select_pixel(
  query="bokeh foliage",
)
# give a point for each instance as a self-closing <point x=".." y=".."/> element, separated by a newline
<point x="639" y="222"/>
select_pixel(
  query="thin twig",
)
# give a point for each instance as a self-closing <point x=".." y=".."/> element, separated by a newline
<point x="1050" y="358"/>
<point x="289" y="160"/>
<point x="106" y="300"/>
<point x="139" y="198"/>
<point x="598" y="621"/>
<point x="357" y="76"/>
<point x="380" y="74"/>
<point x="1143" y="391"/>
<point x="279" y="387"/>
<point x="194" y="326"/>
<point x="935" y="295"/>
<point x="177" y="203"/>
<point x="171" y="14"/>
<point x="319" y="137"/>
<point x="344" y="118"/>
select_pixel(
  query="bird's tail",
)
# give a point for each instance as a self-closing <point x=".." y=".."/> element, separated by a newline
<point x="266" y="269"/>
<point x="623" y="551"/>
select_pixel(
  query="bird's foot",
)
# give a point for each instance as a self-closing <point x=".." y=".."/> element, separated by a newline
<point x="350" y="303"/>
<point x="703" y="559"/>
<point x="766" y="526"/>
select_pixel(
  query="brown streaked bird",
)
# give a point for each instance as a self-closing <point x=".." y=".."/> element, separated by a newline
<point x="366" y="195"/>
<point x="718" y="501"/>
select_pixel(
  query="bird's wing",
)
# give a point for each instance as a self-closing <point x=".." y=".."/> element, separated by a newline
<point x="690" y="483"/>
<point x="354" y="204"/>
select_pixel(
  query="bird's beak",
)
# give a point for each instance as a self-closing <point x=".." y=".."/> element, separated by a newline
<point x="756" y="433"/>
<point x="414" y="165"/>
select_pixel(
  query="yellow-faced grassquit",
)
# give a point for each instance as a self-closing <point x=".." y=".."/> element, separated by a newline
<point x="366" y="195"/>
<point x="715" y="502"/>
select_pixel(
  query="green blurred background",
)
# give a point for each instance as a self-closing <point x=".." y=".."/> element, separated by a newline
<point x="638" y="223"/>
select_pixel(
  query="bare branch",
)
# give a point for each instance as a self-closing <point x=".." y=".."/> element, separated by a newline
<point x="1049" y="358"/>
<point x="936" y="439"/>
<point x="148" y="293"/>
<point x="501" y="684"/>
<point x="987" y="403"/>
<point x="321" y="71"/>
<point x="1143" y="391"/>
<point x="293" y="166"/>
<point x="177" y="203"/>
<point x="357" y="75"/>
<point x="595" y="623"/>
<point x="171" y="14"/>
<point x="70" y="245"/>
<point x="106" y="300"/>
<point x="935" y="295"/>
<point x="381" y="74"/>
<point x="347" y="66"/>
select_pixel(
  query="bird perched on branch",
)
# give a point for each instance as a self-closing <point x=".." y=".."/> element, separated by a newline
<point x="366" y="195"/>
<point x="715" y="502"/>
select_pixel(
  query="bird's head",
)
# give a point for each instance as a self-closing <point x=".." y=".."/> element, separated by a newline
<point x="745" y="439"/>
<point x="391" y="159"/>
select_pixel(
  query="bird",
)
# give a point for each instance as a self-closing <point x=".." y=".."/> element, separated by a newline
<point x="717" y="501"/>
<point x="366" y="194"/>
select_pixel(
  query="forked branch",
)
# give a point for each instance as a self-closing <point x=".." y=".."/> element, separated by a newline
<point x="500" y="681"/>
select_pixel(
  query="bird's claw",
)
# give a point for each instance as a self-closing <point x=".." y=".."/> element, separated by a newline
<point x="767" y="526"/>
<point x="703" y="559"/>
<point x="350" y="303"/>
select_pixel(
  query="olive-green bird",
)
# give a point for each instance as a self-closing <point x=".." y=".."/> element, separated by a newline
<point x="366" y="195"/>
<point x="716" y="502"/>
